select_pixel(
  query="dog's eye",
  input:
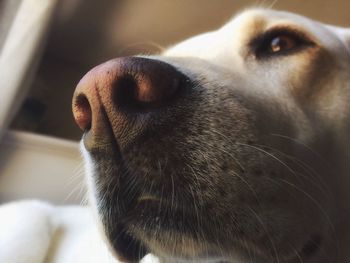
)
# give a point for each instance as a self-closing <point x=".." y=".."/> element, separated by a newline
<point x="280" y="42"/>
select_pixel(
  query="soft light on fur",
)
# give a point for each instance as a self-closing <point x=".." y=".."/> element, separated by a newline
<point x="262" y="142"/>
<point x="248" y="164"/>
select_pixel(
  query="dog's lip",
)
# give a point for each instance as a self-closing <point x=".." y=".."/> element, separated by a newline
<point x="130" y="248"/>
<point x="126" y="246"/>
<point x="308" y="249"/>
<point x="148" y="197"/>
<point x="311" y="247"/>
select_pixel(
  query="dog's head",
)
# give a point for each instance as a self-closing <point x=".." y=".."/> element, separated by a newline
<point x="227" y="145"/>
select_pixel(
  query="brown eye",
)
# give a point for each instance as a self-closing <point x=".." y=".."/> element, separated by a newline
<point x="282" y="43"/>
<point x="279" y="42"/>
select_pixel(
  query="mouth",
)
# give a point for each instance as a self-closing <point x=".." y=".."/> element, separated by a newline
<point x="311" y="247"/>
<point x="116" y="220"/>
<point x="144" y="222"/>
<point x="125" y="245"/>
<point x="138" y="221"/>
<point x="130" y="248"/>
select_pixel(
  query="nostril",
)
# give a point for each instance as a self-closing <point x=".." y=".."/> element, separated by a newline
<point x="82" y="112"/>
<point x="125" y="93"/>
<point x="143" y="92"/>
<point x="131" y="94"/>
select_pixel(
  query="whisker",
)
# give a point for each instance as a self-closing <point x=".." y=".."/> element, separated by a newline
<point x="300" y="259"/>
<point x="313" y="200"/>
<point x="313" y="176"/>
<point x="267" y="233"/>
<point x="299" y="142"/>
<point x="143" y="44"/>
<point x="78" y="179"/>
<point x="269" y="154"/>
<point x="266" y="3"/>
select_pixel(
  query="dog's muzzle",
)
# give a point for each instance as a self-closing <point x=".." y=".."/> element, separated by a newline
<point x="114" y="104"/>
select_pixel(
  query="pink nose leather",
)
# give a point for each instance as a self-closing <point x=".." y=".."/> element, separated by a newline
<point x="129" y="84"/>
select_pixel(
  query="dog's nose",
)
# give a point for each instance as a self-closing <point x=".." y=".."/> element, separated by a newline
<point x="122" y="86"/>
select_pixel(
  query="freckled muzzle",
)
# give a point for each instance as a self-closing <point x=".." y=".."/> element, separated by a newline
<point x="188" y="167"/>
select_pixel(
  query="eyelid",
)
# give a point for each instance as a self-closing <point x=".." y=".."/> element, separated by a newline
<point x="259" y="41"/>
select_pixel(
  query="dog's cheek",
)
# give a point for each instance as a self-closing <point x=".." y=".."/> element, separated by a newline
<point x="310" y="75"/>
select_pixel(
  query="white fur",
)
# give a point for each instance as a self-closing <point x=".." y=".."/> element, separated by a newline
<point x="37" y="232"/>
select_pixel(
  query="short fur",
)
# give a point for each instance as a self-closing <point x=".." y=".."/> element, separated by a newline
<point x="250" y="164"/>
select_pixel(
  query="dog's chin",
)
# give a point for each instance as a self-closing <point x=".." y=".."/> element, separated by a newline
<point x="133" y="241"/>
<point x="126" y="247"/>
<point x="177" y="247"/>
<point x="142" y="229"/>
<point x="146" y="224"/>
<point x="174" y="240"/>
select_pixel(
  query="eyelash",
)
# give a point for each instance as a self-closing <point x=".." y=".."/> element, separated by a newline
<point x="260" y="44"/>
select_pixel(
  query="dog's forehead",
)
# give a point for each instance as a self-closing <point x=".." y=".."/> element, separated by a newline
<point x="255" y="21"/>
<point x="259" y="20"/>
<point x="251" y="22"/>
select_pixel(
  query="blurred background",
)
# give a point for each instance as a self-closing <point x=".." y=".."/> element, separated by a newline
<point x="46" y="46"/>
<point x="85" y="33"/>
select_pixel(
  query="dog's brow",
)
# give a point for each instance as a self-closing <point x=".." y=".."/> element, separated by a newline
<point x="293" y="28"/>
<point x="283" y="29"/>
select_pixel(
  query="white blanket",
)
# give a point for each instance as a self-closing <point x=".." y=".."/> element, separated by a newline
<point x="35" y="232"/>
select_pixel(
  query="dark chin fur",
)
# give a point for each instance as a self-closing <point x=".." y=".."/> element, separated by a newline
<point x="127" y="248"/>
<point x="113" y="215"/>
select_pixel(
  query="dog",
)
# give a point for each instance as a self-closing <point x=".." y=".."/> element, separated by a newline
<point x="231" y="146"/>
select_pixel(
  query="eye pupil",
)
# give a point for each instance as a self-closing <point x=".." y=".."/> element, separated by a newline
<point x="281" y="43"/>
